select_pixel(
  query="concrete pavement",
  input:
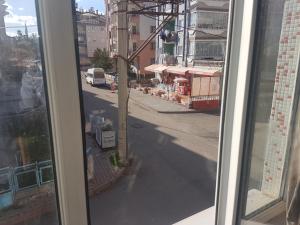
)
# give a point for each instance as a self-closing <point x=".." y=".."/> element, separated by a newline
<point x="157" y="104"/>
<point x="174" y="170"/>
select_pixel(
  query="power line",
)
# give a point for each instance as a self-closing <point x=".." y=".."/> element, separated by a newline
<point x="178" y="26"/>
<point x="188" y="28"/>
<point x="10" y="27"/>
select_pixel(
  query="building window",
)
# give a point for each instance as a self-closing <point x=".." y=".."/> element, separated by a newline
<point x="209" y="20"/>
<point x="134" y="29"/>
<point x="152" y="29"/>
<point x="152" y="46"/>
<point x="134" y="46"/>
<point x="207" y="50"/>
<point x="180" y="24"/>
<point x="134" y="15"/>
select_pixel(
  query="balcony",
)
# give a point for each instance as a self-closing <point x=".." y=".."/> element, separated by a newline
<point x="209" y="24"/>
<point x="169" y="60"/>
<point x="219" y="5"/>
<point x="207" y="34"/>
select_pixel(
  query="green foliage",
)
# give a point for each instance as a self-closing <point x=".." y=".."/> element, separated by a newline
<point x="27" y="48"/>
<point x="102" y="60"/>
<point x="170" y="25"/>
<point x="19" y="35"/>
<point x="36" y="133"/>
<point x="18" y="51"/>
<point x="33" y="128"/>
<point x="115" y="159"/>
<point x="169" y="49"/>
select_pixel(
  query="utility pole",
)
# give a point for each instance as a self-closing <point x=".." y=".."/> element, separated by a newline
<point x="123" y="78"/>
<point x="157" y="53"/>
<point x="123" y="60"/>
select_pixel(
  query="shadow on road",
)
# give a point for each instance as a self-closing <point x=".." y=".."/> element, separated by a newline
<point x="165" y="184"/>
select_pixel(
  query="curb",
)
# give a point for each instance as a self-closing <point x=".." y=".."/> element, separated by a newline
<point x="93" y="191"/>
<point x="147" y="107"/>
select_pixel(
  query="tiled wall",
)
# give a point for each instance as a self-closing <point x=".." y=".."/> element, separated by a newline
<point x="283" y="97"/>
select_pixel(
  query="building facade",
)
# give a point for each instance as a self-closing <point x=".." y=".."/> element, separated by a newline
<point x="204" y="41"/>
<point x="140" y="27"/>
<point x="91" y="29"/>
<point x="65" y="200"/>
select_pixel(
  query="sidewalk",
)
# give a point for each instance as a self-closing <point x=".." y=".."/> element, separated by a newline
<point x="157" y="104"/>
<point x="30" y="205"/>
<point x="36" y="203"/>
<point x="104" y="173"/>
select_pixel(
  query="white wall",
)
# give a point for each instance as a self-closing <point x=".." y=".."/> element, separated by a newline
<point x="145" y="27"/>
<point x="96" y="38"/>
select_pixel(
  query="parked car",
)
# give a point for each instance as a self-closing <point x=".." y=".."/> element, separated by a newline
<point x="95" y="76"/>
<point x="111" y="78"/>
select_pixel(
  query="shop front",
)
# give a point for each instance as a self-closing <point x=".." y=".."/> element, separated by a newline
<point x="197" y="88"/>
<point x="205" y="88"/>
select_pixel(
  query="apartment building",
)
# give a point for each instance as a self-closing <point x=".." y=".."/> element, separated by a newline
<point x="204" y="41"/>
<point x="91" y="29"/>
<point x="111" y="27"/>
<point x="140" y="27"/>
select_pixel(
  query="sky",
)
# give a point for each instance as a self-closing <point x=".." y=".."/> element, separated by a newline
<point x="23" y="11"/>
<point x="97" y="4"/>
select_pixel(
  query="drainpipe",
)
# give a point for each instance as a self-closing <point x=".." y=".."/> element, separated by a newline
<point x="158" y="39"/>
<point x="185" y="32"/>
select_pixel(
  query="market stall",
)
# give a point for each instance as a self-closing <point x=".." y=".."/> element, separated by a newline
<point x="195" y="87"/>
<point x="182" y="86"/>
<point x="205" y="88"/>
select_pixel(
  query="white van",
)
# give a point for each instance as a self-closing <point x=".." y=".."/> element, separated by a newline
<point x="95" y="76"/>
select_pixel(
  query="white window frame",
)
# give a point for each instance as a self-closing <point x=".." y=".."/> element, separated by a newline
<point x="234" y="116"/>
<point x="56" y="24"/>
<point x="64" y="99"/>
<point x="236" y="91"/>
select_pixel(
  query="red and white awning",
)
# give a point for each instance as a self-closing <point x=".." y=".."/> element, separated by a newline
<point x="206" y="71"/>
<point x="156" y="68"/>
<point x="180" y="70"/>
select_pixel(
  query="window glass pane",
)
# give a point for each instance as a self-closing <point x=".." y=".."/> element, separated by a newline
<point x="4" y="183"/>
<point x="270" y="179"/>
<point x="168" y="170"/>
<point x="27" y="189"/>
<point x="212" y="20"/>
<point x="214" y="50"/>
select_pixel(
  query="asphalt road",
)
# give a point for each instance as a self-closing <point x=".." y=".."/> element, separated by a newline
<point x="174" y="164"/>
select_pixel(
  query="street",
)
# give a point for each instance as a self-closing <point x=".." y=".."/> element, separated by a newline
<point x="173" y="173"/>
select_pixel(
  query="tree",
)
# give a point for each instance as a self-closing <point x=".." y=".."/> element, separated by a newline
<point x="102" y="60"/>
<point x="19" y="35"/>
<point x="31" y="132"/>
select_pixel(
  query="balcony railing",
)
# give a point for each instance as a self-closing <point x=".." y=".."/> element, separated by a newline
<point x="25" y="177"/>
